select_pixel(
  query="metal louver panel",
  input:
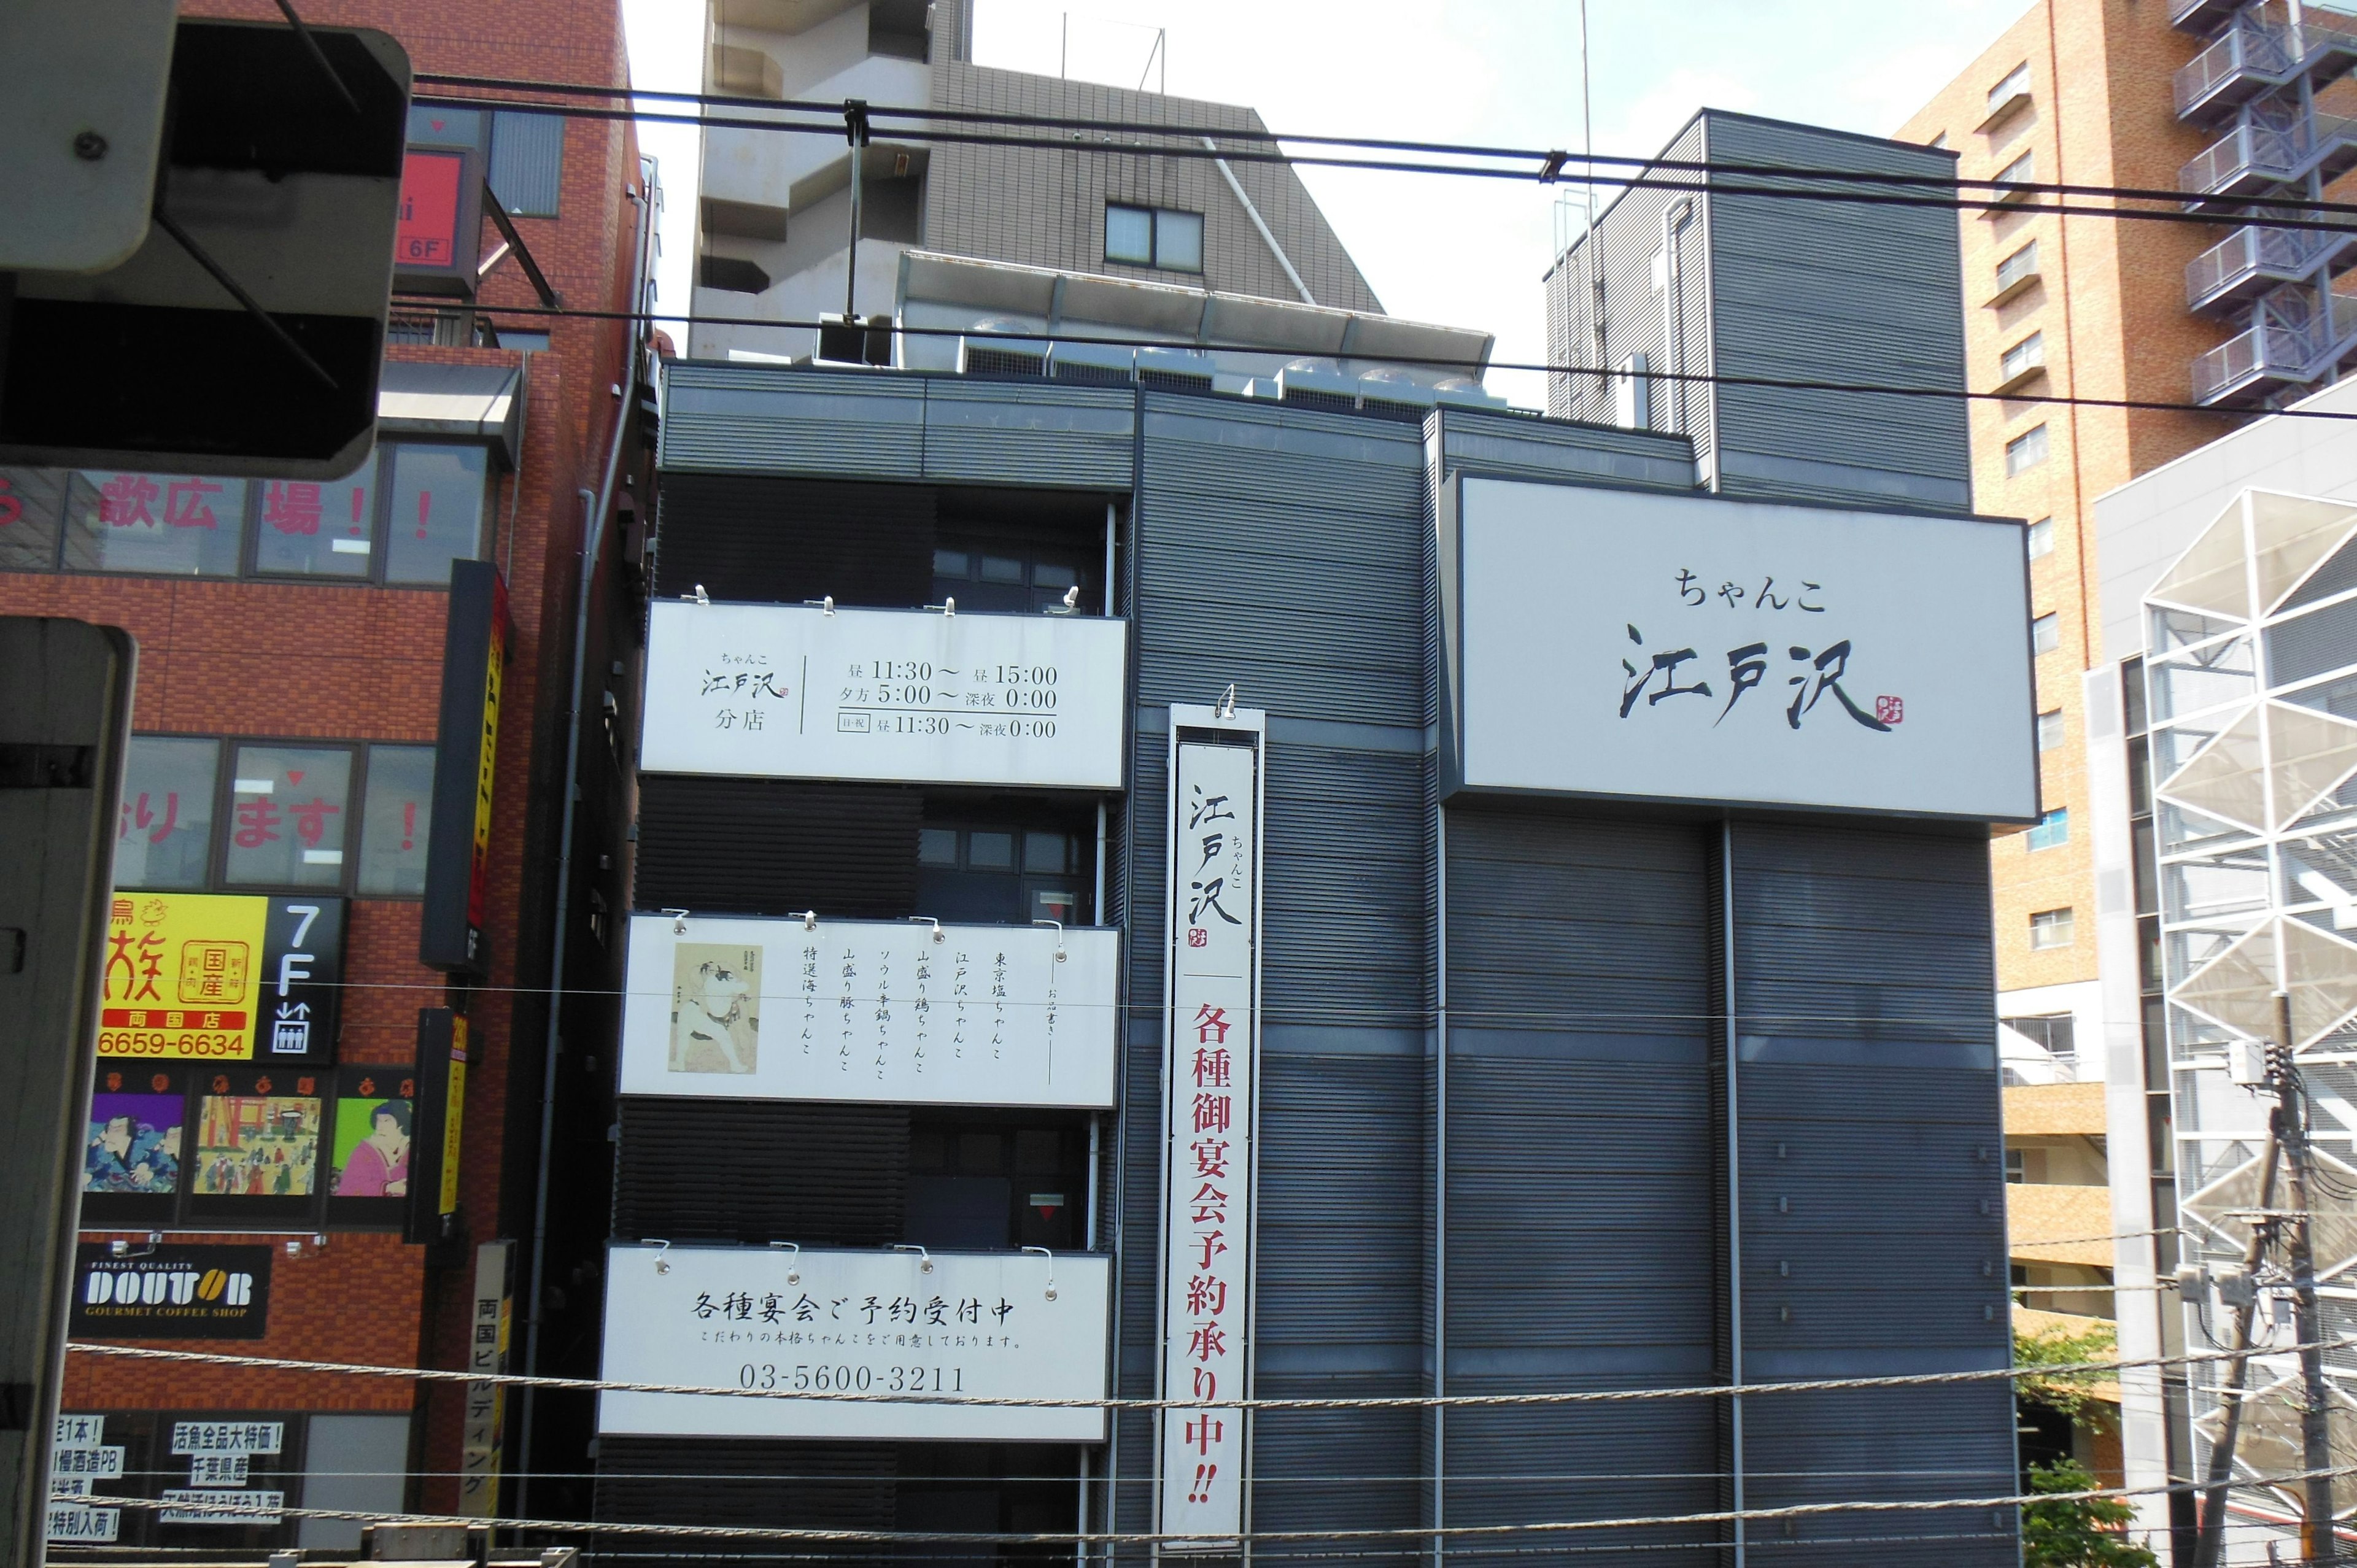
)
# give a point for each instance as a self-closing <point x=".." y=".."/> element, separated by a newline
<point x="745" y="419"/>
<point x="759" y="539"/>
<point x="763" y="846"/>
<point x="819" y="1173"/>
<point x="1519" y="448"/>
<point x="1029" y="432"/>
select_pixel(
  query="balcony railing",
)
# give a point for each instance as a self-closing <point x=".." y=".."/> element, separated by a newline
<point x="2256" y="258"/>
<point x="2196" y="16"/>
<point x="2249" y="58"/>
<point x="2270" y="355"/>
<point x="2250" y="158"/>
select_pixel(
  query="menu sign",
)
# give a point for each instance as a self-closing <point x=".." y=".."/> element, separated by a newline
<point x="793" y="691"/>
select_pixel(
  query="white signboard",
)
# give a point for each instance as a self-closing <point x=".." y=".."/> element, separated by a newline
<point x="1010" y="1325"/>
<point x="487" y="1354"/>
<point x="1210" y="1076"/>
<point x="99" y="1462"/>
<point x="895" y="1010"/>
<point x="196" y="1507"/>
<point x="1674" y="646"/>
<point x="228" y="1437"/>
<point x="77" y="1459"/>
<point x="70" y="1522"/>
<point x="789" y="692"/>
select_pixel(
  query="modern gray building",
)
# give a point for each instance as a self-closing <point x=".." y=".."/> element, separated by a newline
<point x="1688" y="276"/>
<point x="1142" y="892"/>
<point x="774" y="232"/>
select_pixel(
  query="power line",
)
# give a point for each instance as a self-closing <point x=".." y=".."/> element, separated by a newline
<point x="1142" y="1538"/>
<point x="1553" y="163"/>
<point x="1384" y="1401"/>
<point x="1770" y="383"/>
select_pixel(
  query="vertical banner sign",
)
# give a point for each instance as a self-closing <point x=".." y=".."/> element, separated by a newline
<point x="441" y="1101"/>
<point x="466" y="758"/>
<point x="1210" y="1077"/>
<point x="487" y="1355"/>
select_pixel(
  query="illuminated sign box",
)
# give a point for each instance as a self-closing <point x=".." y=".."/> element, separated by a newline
<point x="870" y="1010"/>
<point x="221" y="978"/>
<point x="438" y="235"/>
<point x="910" y="696"/>
<point x="1679" y="648"/>
<point x="1008" y="1325"/>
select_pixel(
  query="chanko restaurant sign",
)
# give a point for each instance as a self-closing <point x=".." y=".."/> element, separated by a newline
<point x="789" y="692"/>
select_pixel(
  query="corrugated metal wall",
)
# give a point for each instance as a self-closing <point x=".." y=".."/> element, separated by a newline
<point x="1834" y="290"/>
<point x="1873" y="1186"/>
<point x="1282" y="550"/>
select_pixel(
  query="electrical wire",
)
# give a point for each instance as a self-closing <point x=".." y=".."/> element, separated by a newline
<point x="1256" y="1536"/>
<point x="1459" y="362"/>
<point x="996" y="1402"/>
<point x="1554" y="163"/>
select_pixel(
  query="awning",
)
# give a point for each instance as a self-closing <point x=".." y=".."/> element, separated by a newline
<point x="467" y="402"/>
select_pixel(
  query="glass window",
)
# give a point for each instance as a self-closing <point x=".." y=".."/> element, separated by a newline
<point x="2050" y="928"/>
<point x="2025" y="451"/>
<point x="1050" y="852"/>
<point x="2015" y="83"/>
<point x="317" y="530"/>
<point x="2049" y="729"/>
<point x="1129" y="235"/>
<point x="436" y="512"/>
<point x="527" y="161"/>
<point x="436" y="126"/>
<point x="31" y="503"/>
<point x="2021" y="265"/>
<point x="165" y="835"/>
<point x="2046" y="633"/>
<point x="394" y="817"/>
<point x="2023" y="170"/>
<point x="289" y="814"/>
<point x="990" y="851"/>
<point x="178" y="524"/>
<point x="2023" y="356"/>
<point x="2052" y="830"/>
<point x="2040" y="538"/>
<point x="937" y="846"/>
<point x="1178" y="241"/>
<point x="999" y="569"/>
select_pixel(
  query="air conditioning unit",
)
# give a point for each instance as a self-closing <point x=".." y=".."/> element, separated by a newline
<point x="1093" y="364"/>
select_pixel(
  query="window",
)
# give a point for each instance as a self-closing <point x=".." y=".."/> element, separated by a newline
<point x="2050" y="730"/>
<point x="2025" y="451"/>
<point x="1002" y="873"/>
<point x="435" y="514"/>
<point x="1154" y="237"/>
<point x="1939" y="143"/>
<point x="187" y="525"/>
<point x="395" y="820"/>
<point x="2040" y="538"/>
<point x="2017" y="268"/>
<point x="2022" y="171"/>
<point x="2014" y="1171"/>
<point x="1633" y="394"/>
<point x="2024" y="357"/>
<point x="198" y="812"/>
<point x="2049" y="1032"/>
<point x="2046" y="633"/>
<point x="165" y="838"/>
<point x="2050" y="928"/>
<point x="1015" y="578"/>
<point x="2053" y="829"/>
<point x="2015" y="85"/>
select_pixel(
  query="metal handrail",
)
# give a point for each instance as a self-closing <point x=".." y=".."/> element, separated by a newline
<point x="2277" y="156"/>
<point x="2249" y="46"/>
<point x="2277" y="352"/>
<point x="2252" y="251"/>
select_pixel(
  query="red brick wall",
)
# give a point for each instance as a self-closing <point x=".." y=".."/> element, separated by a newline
<point x="365" y="663"/>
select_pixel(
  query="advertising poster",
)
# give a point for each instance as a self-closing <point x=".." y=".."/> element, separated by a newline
<point x="372" y="1149"/>
<point x="135" y="1143"/>
<point x="257" y="1145"/>
<point x="221" y="978"/>
<point x="888" y="1010"/>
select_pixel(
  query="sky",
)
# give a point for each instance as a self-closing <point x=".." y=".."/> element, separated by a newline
<point x="1466" y="253"/>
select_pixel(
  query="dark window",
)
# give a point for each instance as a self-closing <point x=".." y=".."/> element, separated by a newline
<point x="1011" y="576"/>
<point x="731" y="274"/>
<point x="32" y="506"/>
<point x="157" y="1468"/>
<point x="990" y="1186"/>
<point x="1003" y="872"/>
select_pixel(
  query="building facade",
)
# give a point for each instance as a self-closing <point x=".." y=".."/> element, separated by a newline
<point x="775" y="224"/>
<point x="314" y="1127"/>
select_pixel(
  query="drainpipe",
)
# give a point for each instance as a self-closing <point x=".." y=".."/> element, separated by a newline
<point x="593" y="530"/>
<point x="1236" y="188"/>
<point x="1674" y="217"/>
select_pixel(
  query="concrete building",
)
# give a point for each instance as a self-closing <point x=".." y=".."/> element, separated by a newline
<point x="774" y="227"/>
<point x="2207" y="901"/>
<point x="268" y="1150"/>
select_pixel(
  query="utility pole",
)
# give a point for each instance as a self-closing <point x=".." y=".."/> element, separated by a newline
<point x="2229" y="1398"/>
<point x="2317" y="1541"/>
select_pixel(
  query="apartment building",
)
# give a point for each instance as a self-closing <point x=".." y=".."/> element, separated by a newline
<point x="318" y="1105"/>
<point x="774" y="227"/>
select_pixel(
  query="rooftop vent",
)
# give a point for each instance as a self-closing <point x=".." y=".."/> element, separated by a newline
<point x="1174" y="369"/>
<point x="1002" y="356"/>
<point x="1092" y="364"/>
<point x="1317" y="383"/>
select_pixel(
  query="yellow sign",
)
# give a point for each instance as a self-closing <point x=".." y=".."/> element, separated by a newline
<point x="184" y="976"/>
<point x="451" y="1116"/>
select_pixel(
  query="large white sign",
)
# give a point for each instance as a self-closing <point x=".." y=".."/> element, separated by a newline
<point x="789" y="692"/>
<point x="901" y="1012"/>
<point x="1210" y="1073"/>
<point x="1672" y="646"/>
<point x="1002" y="1324"/>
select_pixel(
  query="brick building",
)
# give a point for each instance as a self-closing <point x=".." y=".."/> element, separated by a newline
<point x="290" y="697"/>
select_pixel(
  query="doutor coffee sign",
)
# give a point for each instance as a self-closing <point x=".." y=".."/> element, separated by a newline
<point x="171" y="1293"/>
